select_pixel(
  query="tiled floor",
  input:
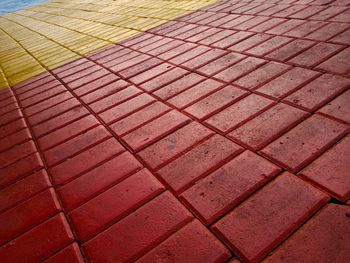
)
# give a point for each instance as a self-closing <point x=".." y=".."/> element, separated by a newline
<point x="220" y="136"/>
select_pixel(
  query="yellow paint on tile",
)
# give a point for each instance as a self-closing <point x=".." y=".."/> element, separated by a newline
<point x="52" y="34"/>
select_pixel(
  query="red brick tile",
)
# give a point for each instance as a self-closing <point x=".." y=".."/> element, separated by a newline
<point x="139" y="232"/>
<point x="95" y="85"/>
<point x="153" y="131"/>
<point x="147" y="40"/>
<point x="218" y="36"/>
<point x="98" y="180"/>
<point x="343" y="38"/>
<point x="14" y="139"/>
<point x="122" y="110"/>
<point x="41" y="106"/>
<point x="261" y="75"/>
<point x="33" y="83"/>
<point x="10" y="117"/>
<point x="288" y="82"/>
<point x="238" y="113"/>
<point x="59" y="121"/>
<point x="67" y="132"/>
<point x="339" y="107"/>
<point x="238" y="20"/>
<point x="25" y="94"/>
<point x="198" y="50"/>
<point x="177" y="51"/>
<point x="178" y="86"/>
<point x="318" y="92"/>
<point x="92" y="77"/>
<point x="250" y="42"/>
<point x="204" y="58"/>
<point x="115" y="99"/>
<point x="19" y="169"/>
<point x="7" y="98"/>
<point x="12" y="127"/>
<point x="267" y="25"/>
<point x="203" y="35"/>
<point x="316" y="240"/>
<point x="160" y="42"/>
<point x="195" y="93"/>
<point x="73" y="64"/>
<point x="75" y="145"/>
<point x="330" y="171"/>
<point x="78" y="164"/>
<point x="104" y="91"/>
<point x="130" y="62"/>
<point x="305" y="29"/>
<point x="54" y="111"/>
<point x="102" y="211"/>
<point x="290" y="50"/>
<point x="74" y="69"/>
<point x="16" y="153"/>
<point x="268" y="46"/>
<point x="81" y="74"/>
<point x="212" y="196"/>
<point x="168" y="46"/>
<point x="21" y="218"/>
<point x="140" y="38"/>
<point x="42" y="96"/>
<point x="241" y="68"/>
<point x="247" y="25"/>
<point x="274" y="9"/>
<point x="23" y="189"/>
<point x="328" y="13"/>
<point x="70" y="254"/>
<point x="163" y="79"/>
<point x="151" y="73"/>
<point x="137" y="119"/>
<point x="285" y="27"/>
<point x="192" y="243"/>
<point x="328" y="31"/>
<point x="173" y="145"/>
<point x="258" y="9"/>
<point x="174" y="33"/>
<point x="8" y="108"/>
<point x="215" y="102"/>
<point x="232" y="39"/>
<point x="259" y="224"/>
<point x="342" y="17"/>
<point x="198" y="162"/>
<point x="339" y="63"/>
<point x="307" y="12"/>
<point x="34" y="244"/>
<point x="267" y="126"/>
<point x="221" y="63"/>
<point x="304" y="143"/>
<point x="315" y="54"/>
<point x="139" y="68"/>
<point x="118" y="57"/>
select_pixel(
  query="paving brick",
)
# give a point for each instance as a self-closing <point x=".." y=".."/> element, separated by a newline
<point x="232" y="39"/>
<point x="238" y="20"/>
<point x="272" y="22"/>
<point x="130" y="194"/>
<point x="315" y="54"/>
<point x="54" y="111"/>
<point x="343" y="38"/>
<point x="25" y="94"/>
<point x="250" y="42"/>
<point x="73" y="64"/>
<point x="305" y="29"/>
<point x="115" y="99"/>
<point x="122" y="110"/>
<point x="73" y="69"/>
<point x="192" y="243"/>
<point x="153" y="131"/>
<point x="204" y="58"/>
<point x="23" y="189"/>
<point x="140" y="68"/>
<point x="12" y="127"/>
<point x="261" y="75"/>
<point x="188" y="55"/>
<point x="19" y="169"/>
<point x="70" y="254"/>
<point x="139" y="232"/>
<point x="305" y="142"/>
<point x="95" y="85"/>
<point x="195" y="93"/>
<point x="212" y="196"/>
<point x="10" y="117"/>
<point x="73" y="167"/>
<point x="59" y="121"/>
<point x="307" y="12"/>
<point x="203" y="35"/>
<point x="247" y="25"/>
<point x="178" y="86"/>
<point x="290" y="50"/>
<point x="198" y="162"/>
<point x="328" y="13"/>
<point x="41" y="106"/>
<point x="16" y="153"/>
<point x="323" y="238"/>
<point x="75" y="145"/>
<point x="168" y="46"/>
<point x="215" y="102"/>
<point x="339" y="63"/>
<point x="288" y="82"/>
<point x="268" y="217"/>
<point x="118" y="57"/>
<point x="274" y="9"/>
<point x="160" y="42"/>
<point x="163" y="79"/>
<point x="98" y="180"/>
<point x="241" y="68"/>
<point x="90" y="78"/>
<point x="330" y="171"/>
<point x="221" y="63"/>
<point x="268" y="46"/>
<point x="8" y="108"/>
<point x="81" y="74"/>
<point x="151" y="73"/>
<point x="67" y="132"/>
<point x="318" y="92"/>
<point x="33" y="83"/>
<point x="139" y="118"/>
<point x="342" y="17"/>
<point x="7" y="99"/>
<point x="339" y="107"/>
<point x="218" y="36"/>
<point x="328" y="31"/>
<point x="42" y="96"/>
<point x="176" y="51"/>
<point x="130" y="62"/>
<point x="14" y="139"/>
<point x="267" y="126"/>
<point x="21" y="218"/>
<point x="40" y="242"/>
<point x="238" y="113"/>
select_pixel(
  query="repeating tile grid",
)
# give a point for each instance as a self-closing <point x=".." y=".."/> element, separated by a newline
<point x="179" y="109"/>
